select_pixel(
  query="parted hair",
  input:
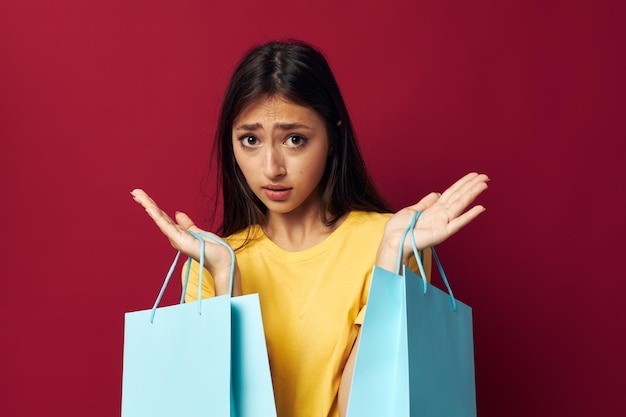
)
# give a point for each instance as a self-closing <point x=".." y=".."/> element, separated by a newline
<point x="298" y="72"/>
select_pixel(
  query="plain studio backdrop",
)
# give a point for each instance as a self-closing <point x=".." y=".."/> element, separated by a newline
<point x="99" y="97"/>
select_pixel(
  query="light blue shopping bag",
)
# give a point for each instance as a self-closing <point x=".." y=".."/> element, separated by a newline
<point x="204" y="358"/>
<point x="416" y="350"/>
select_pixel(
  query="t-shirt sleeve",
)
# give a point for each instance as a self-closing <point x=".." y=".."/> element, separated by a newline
<point x="366" y="289"/>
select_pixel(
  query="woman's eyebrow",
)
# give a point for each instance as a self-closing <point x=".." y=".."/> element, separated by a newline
<point x="281" y="126"/>
<point x="291" y="126"/>
<point x="253" y="126"/>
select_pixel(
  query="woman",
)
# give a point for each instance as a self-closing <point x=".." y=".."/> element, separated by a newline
<point x="305" y="220"/>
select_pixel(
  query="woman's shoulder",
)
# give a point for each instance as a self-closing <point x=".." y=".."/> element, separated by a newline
<point x="245" y="237"/>
<point x="365" y="225"/>
<point x="368" y="218"/>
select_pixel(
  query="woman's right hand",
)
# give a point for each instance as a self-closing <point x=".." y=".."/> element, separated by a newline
<point x="217" y="258"/>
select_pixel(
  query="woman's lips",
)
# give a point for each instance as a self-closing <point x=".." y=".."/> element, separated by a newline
<point x="276" y="193"/>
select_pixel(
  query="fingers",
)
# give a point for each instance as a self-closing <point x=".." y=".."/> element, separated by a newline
<point x="458" y="196"/>
<point x="174" y="232"/>
<point x="426" y="202"/>
<point x="464" y="219"/>
<point x="463" y="185"/>
<point x="149" y="205"/>
<point x="463" y="192"/>
<point x="142" y="198"/>
<point x="463" y="182"/>
<point x="184" y="221"/>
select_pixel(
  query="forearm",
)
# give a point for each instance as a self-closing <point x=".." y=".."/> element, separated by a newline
<point x="346" y="379"/>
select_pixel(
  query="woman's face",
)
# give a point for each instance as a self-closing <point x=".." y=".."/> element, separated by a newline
<point x="282" y="149"/>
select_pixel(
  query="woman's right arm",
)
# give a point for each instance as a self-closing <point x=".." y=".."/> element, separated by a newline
<point x="217" y="258"/>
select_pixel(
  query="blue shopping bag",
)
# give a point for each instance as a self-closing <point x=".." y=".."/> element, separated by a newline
<point x="416" y="350"/>
<point x="203" y="358"/>
<point x="251" y="380"/>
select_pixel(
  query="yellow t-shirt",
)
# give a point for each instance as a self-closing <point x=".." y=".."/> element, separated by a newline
<point x="310" y="303"/>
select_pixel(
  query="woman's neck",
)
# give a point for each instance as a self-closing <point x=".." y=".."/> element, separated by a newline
<point x="297" y="231"/>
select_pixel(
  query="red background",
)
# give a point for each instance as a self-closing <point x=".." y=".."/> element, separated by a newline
<point x="99" y="97"/>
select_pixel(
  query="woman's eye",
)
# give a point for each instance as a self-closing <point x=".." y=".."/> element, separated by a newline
<point x="248" y="141"/>
<point x="295" y="141"/>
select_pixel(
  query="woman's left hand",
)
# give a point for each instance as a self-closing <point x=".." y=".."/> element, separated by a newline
<point x="442" y="216"/>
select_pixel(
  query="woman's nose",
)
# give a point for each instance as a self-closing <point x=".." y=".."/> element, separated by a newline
<point x="274" y="166"/>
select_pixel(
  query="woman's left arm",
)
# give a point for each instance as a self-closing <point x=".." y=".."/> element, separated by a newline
<point x="442" y="216"/>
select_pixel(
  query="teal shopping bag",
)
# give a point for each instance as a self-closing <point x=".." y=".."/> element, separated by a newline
<point x="251" y="380"/>
<point x="204" y="358"/>
<point x="416" y="350"/>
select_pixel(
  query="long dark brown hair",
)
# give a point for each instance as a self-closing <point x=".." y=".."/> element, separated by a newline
<point x="298" y="72"/>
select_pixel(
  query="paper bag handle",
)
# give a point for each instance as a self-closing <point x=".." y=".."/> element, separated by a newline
<point x="419" y="254"/>
<point x="198" y="236"/>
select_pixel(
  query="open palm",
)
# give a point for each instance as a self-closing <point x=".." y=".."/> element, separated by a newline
<point x="217" y="258"/>
<point x="442" y="215"/>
